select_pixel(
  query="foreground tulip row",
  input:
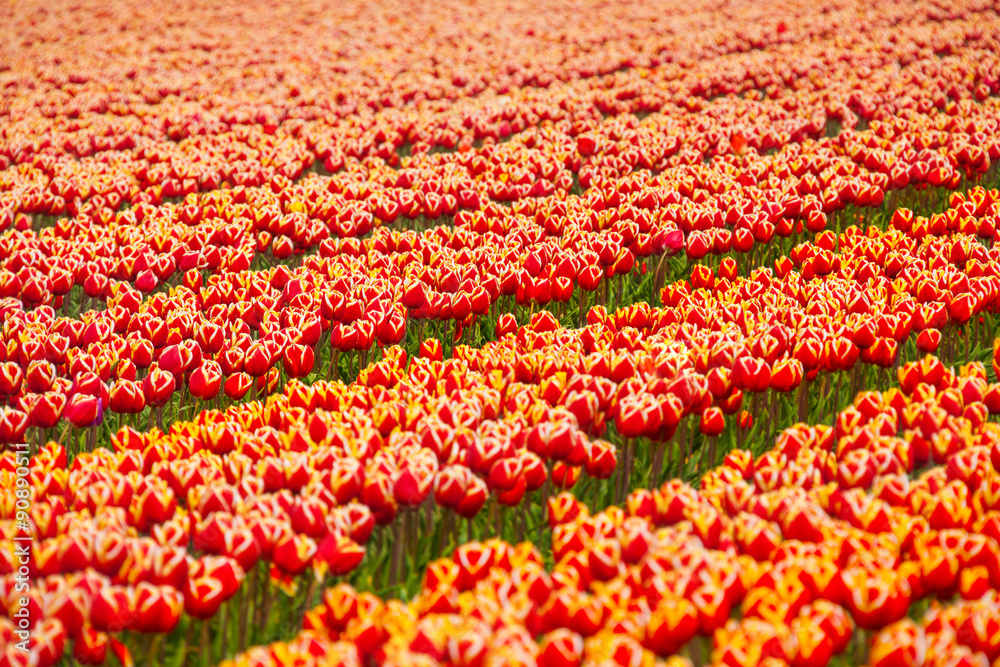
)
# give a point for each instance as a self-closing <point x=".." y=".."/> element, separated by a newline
<point x="879" y="536"/>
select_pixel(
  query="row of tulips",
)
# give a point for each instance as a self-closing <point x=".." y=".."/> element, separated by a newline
<point x="200" y="340"/>
<point x="786" y="558"/>
<point x="716" y="350"/>
<point x="924" y="284"/>
<point x="225" y="231"/>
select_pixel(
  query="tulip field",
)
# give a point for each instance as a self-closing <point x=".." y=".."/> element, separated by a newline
<point x="475" y="334"/>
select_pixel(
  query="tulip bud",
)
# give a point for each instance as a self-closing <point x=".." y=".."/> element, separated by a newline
<point x="392" y="329"/>
<point x="786" y="375"/>
<point x="928" y="340"/>
<point x="475" y="498"/>
<point x="337" y="555"/>
<point x="712" y="422"/>
<point x="205" y="380"/>
<point x="13" y="425"/>
<point x="506" y="325"/>
<point x="203" y="597"/>
<point x="751" y="374"/>
<point x="40" y="376"/>
<point x="561" y="648"/>
<point x="698" y="245"/>
<point x="174" y="359"/>
<point x="901" y="643"/>
<point x="430" y="348"/>
<point x="673" y="622"/>
<point x="237" y="385"/>
<point x="90" y="647"/>
<point x="298" y="360"/>
<point x="293" y="553"/>
<point x="702" y="276"/>
<point x="413" y="485"/>
<point x="638" y="416"/>
<point x="158" y="387"/>
<point x="139" y="351"/>
<point x="590" y="277"/>
<point x="451" y="486"/>
<point x="816" y="221"/>
<point x="84" y="411"/>
<point x="45" y="410"/>
<point x="258" y="359"/>
<point x="11" y="378"/>
<point x="126" y="397"/>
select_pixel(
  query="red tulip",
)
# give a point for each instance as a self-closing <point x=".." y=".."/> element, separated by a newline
<point x="451" y="486"/>
<point x="430" y="348"/>
<point x="39" y="376"/>
<point x="901" y="643"/>
<point x="928" y="340"/>
<point x="139" y="351"/>
<point x="638" y="415"/>
<point x="11" y="378"/>
<point x="786" y="375"/>
<point x="146" y="281"/>
<point x="292" y="553"/>
<point x="413" y="485"/>
<point x="177" y="359"/>
<point x="205" y="380"/>
<point x="90" y="647"/>
<point x="237" y="385"/>
<point x="561" y="648"/>
<point x="298" y="360"/>
<point x="475" y="498"/>
<point x="158" y="387"/>
<point x="337" y="555"/>
<point x="506" y="325"/>
<point x="126" y="397"/>
<point x="203" y="597"/>
<point x="392" y="329"/>
<point x="84" y="411"/>
<point x="877" y="600"/>
<point x="13" y="425"/>
<point x="673" y="622"/>
<point x="751" y="374"/>
<point x="712" y="422"/>
<point x="258" y="359"/>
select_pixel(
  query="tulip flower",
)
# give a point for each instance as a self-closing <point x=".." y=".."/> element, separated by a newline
<point x="750" y="374"/>
<point x="158" y="387"/>
<point x="562" y="648"/>
<point x="237" y="385"/>
<point x="84" y="411"/>
<point x="298" y="360"/>
<point x="126" y="397"/>
<point x="928" y="340"/>
<point x="205" y="381"/>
